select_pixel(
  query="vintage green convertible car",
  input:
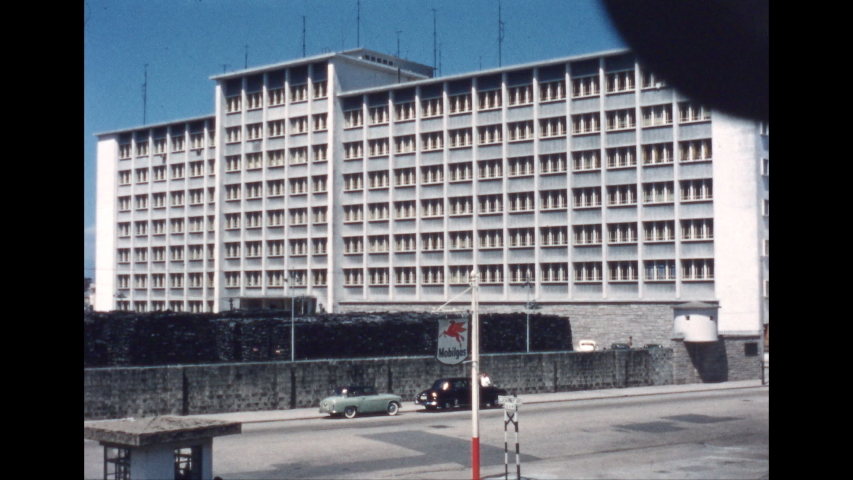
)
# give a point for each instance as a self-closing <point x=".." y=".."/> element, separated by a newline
<point x="355" y="399"/>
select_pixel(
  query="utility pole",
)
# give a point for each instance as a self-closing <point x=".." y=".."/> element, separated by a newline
<point x="398" y="43"/>
<point x="292" y="323"/>
<point x="475" y="376"/>
<point x="434" y="63"/>
<point x="145" y="95"/>
<point x="303" y="36"/>
<point x="246" y="62"/>
<point x="500" y="34"/>
<point x="358" y="25"/>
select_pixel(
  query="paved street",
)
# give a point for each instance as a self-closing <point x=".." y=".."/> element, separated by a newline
<point x="705" y="434"/>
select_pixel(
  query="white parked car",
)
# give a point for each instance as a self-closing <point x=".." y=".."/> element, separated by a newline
<point x="586" y="346"/>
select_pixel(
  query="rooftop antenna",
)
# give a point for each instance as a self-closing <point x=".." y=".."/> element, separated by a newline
<point x="358" y="25"/>
<point x="439" y="59"/>
<point x="434" y="63"/>
<point x="145" y="95"/>
<point x="398" y="43"/>
<point x="500" y="33"/>
<point x="246" y="62"/>
<point x="224" y="66"/>
<point x="303" y="36"/>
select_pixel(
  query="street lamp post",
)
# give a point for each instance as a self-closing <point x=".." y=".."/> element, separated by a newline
<point x="475" y="376"/>
<point x="527" y="309"/>
<point x="292" y="324"/>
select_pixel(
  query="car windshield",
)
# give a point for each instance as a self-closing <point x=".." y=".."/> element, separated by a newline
<point x="442" y="384"/>
<point x="340" y="392"/>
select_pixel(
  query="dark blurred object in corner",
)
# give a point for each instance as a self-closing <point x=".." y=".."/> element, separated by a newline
<point x="716" y="52"/>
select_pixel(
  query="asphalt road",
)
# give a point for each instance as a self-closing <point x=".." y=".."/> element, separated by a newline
<point x="717" y="434"/>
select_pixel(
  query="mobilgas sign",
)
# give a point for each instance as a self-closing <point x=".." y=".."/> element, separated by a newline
<point x="452" y="341"/>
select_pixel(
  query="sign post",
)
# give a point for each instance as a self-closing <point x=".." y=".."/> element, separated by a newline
<point x="510" y="405"/>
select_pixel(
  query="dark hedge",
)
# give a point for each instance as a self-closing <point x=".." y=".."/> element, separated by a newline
<point x="166" y="338"/>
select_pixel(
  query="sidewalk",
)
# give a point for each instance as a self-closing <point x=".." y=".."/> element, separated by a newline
<point x="527" y="399"/>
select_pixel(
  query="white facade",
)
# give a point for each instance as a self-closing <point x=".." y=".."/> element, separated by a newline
<point x="381" y="188"/>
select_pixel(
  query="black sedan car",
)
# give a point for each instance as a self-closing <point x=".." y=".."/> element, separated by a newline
<point x="447" y="393"/>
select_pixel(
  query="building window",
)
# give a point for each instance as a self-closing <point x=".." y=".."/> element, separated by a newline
<point x="553" y="236"/>
<point x="463" y="137"/>
<point x="140" y="254"/>
<point x="521" y="273"/>
<point x="490" y="134"/>
<point x="159" y="173"/>
<point x="275" y="248"/>
<point x="460" y="103"/>
<point x="298" y="125"/>
<point x="178" y="144"/>
<point x="378" y="179"/>
<point x="158" y="254"/>
<point x="553" y="199"/>
<point x="405" y="209"/>
<point x="233" y="163"/>
<point x="319" y="122"/>
<point x="587" y="272"/>
<point x="320" y="89"/>
<point x="522" y="237"/>
<point x="587" y="160"/>
<point x="176" y="225"/>
<point x="553" y="163"/>
<point x="521" y="130"/>
<point x="378" y="211"/>
<point x="432" y="208"/>
<point x="232" y="192"/>
<point x="765" y="167"/>
<point x="586" y="197"/>
<point x="490" y="168"/>
<point x="320" y="152"/>
<point x="176" y="253"/>
<point x="659" y="231"/>
<point x="651" y="80"/>
<point x="142" y="148"/>
<point x="491" y="238"/>
<point x="490" y="203"/>
<point x="197" y="141"/>
<point x="622" y="271"/>
<point x="353" y="150"/>
<point x="233" y="134"/>
<point x="159" y="145"/>
<point x="404" y="177"/>
<point x="298" y="216"/>
<point x="551" y="273"/>
<point x="621" y="195"/>
<point x="123" y="203"/>
<point x="275" y="188"/>
<point x="123" y="255"/>
<point x="522" y="95"/>
<point x="354" y="213"/>
<point x="275" y="158"/>
<point x="196" y="252"/>
<point x="211" y="138"/>
<point x="657" y="154"/>
<point x="318" y="277"/>
<point x="693" y="112"/>
<point x="319" y="215"/>
<point x="254" y="100"/>
<point x="432" y="275"/>
<point x="659" y="270"/>
<point x="621" y="157"/>
<point x="696" y="190"/>
<point x="353" y="277"/>
<point x="587" y="234"/>
<point x="699" y="269"/>
<point x="353" y="118"/>
<point x="695" y="150"/>
<point x="404" y="111"/>
<point x="276" y="96"/>
<point x="253" y="279"/>
<point x="586" y="123"/>
<point x="378" y="115"/>
<point x="319" y="246"/>
<point x="123" y="281"/>
<point x="765" y="209"/>
<point x="177" y="198"/>
<point x="460" y="171"/>
<point x="622" y="233"/>
<point x="299" y="93"/>
<point x="124" y="151"/>
<point x="585" y="86"/>
<point x="232" y="279"/>
<point x="700" y="229"/>
<point x="520" y="166"/>
<point x="550" y="91"/>
<point x="405" y="243"/>
<point x="378" y="243"/>
<point x="197" y="169"/>
<point x="657" y="115"/>
<point x="178" y="171"/>
<point x="432" y="241"/>
<point x="299" y="186"/>
<point x="176" y="280"/>
<point x="196" y="224"/>
<point x="767" y="289"/>
<point x="489" y="99"/>
<point x="158" y="280"/>
<point x="621" y="119"/>
<point x="432" y="174"/>
<point x="298" y="155"/>
<point x="660" y="192"/>
<point x="124" y="177"/>
<point x="353" y="182"/>
<point x="461" y="240"/>
<point x="620" y="81"/>
<point x="491" y="273"/>
<point x="432" y="107"/>
<point x="298" y="247"/>
<point x="275" y="128"/>
<point x="404" y="144"/>
<point x="460" y="274"/>
<point x="141" y="175"/>
<point x="764" y="128"/>
<point x="234" y="104"/>
<point x="378" y="147"/>
<point x="319" y="183"/>
<point x="232" y="221"/>
<point x="432" y="141"/>
<point x="461" y="205"/>
<point x="211" y="223"/>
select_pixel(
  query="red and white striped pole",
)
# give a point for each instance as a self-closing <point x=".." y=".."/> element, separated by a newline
<point x="475" y="377"/>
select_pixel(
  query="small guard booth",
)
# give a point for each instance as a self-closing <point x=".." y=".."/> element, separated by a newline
<point x="694" y="321"/>
<point x="160" y="448"/>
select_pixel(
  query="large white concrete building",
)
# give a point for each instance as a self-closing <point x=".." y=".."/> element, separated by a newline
<point x="360" y="181"/>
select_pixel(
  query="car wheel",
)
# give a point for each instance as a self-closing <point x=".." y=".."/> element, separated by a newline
<point x="350" y="412"/>
<point x="447" y="405"/>
<point x="393" y="408"/>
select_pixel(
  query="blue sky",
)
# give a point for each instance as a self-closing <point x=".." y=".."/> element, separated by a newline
<point x="184" y="42"/>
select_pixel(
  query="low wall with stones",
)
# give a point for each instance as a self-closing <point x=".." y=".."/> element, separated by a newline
<point x="197" y="389"/>
<point x="730" y="358"/>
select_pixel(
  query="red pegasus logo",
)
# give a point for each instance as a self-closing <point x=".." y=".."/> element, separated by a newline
<point x="454" y="330"/>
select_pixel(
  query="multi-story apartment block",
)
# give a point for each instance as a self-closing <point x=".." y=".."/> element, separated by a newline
<point x="358" y="180"/>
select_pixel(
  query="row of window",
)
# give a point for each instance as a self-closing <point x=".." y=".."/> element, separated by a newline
<point x="192" y="306"/>
<point x="276" y="218"/>
<point x="275" y="248"/>
<point x="163" y="199"/>
<point x="158" y="280"/>
<point x="276" y="278"/>
<point x="653" y="232"/>
<point x="276" y="188"/>
<point x="159" y="173"/>
<point x="276" y="96"/>
<point x="276" y="128"/>
<point x="158" y="254"/>
<point x="175" y="226"/>
<point x="581" y="272"/>
<point x="158" y="146"/>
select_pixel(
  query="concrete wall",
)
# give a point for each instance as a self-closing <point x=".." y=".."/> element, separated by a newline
<point x="199" y="389"/>
<point x="721" y="361"/>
